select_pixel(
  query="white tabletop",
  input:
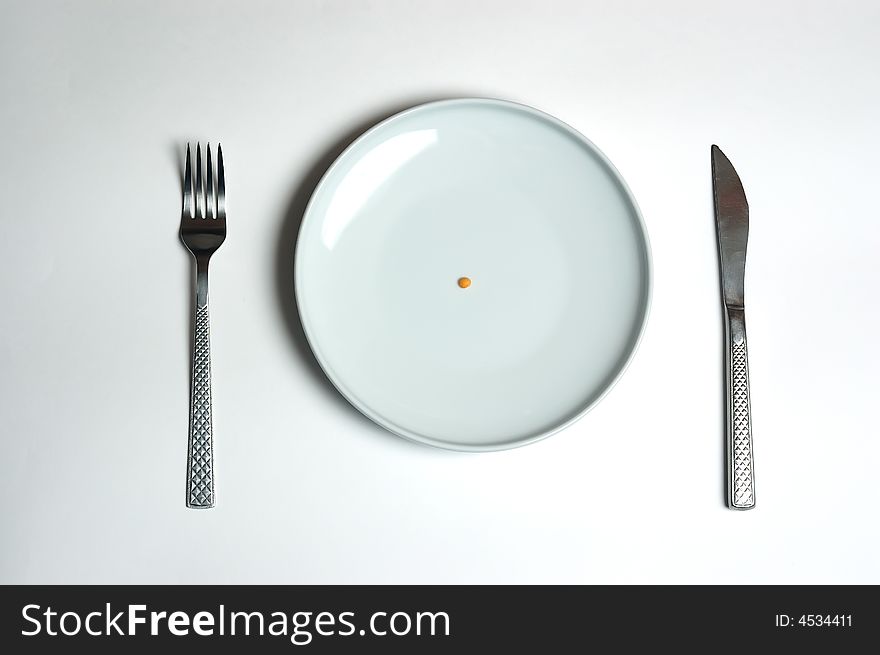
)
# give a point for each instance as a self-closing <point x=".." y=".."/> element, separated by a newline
<point x="98" y="101"/>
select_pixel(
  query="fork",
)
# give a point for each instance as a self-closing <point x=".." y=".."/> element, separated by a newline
<point x="202" y="230"/>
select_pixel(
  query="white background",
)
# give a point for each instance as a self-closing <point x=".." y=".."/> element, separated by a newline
<point x="97" y="100"/>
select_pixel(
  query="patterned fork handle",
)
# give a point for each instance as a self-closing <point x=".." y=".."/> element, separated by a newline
<point x="740" y="453"/>
<point x="200" y="460"/>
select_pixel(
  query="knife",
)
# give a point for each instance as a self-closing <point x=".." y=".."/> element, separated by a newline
<point x="732" y="221"/>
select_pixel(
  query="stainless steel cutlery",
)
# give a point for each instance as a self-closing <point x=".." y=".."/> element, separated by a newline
<point x="202" y="230"/>
<point x="732" y="221"/>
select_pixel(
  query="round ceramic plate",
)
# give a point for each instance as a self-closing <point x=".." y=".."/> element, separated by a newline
<point x="472" y="274"/>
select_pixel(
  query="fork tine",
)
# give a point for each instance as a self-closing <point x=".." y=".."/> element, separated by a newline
<point x="210" y="197"/>
<point x="200" y="177"/>
<point x="221" y="185"/>
<point x="187" y="187"/>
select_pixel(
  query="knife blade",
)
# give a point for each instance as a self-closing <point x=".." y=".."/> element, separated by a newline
<point x="732" y="222"/>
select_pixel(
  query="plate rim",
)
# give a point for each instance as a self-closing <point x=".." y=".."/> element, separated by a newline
<point x="410" y="435"/>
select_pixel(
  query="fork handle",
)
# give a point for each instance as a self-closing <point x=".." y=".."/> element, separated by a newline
<point x="200" y="459"/>
<point x="740" y="453"/>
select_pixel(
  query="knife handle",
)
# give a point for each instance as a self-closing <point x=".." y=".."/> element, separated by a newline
<point x="740" y="453"/>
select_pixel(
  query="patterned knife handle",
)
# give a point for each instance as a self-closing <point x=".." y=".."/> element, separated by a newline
<point x="740" y="453"/>
<point x="200" y="460"/>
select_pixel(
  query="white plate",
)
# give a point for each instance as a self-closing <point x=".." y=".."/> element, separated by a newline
<point x="531" y="212"/>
